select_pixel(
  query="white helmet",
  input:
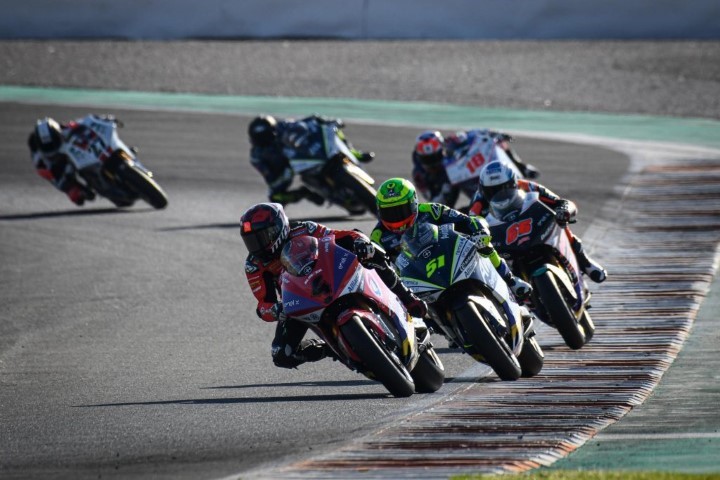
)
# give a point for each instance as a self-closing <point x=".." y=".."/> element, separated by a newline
<point x="49" y="135"/>
<point x="498" y="184"/>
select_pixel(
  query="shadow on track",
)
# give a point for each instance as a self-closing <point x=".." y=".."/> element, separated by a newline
<point x="222" y="226"/>
<point x="72" y="213"/>
<point x="341" y="383"/>
<point x="243" y="400"/>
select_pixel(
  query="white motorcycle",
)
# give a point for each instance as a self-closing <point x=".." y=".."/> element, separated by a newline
<point x="107" y="166"/>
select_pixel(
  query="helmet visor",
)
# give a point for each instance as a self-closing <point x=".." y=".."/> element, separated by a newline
<point x="258" y="242"/>
<point x="489" y="192"/>
<point x="398" y="217"/>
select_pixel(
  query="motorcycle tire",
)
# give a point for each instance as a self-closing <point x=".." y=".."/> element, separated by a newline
<point x="588" y="325"/>
<point x="388" y="371"/>
<point x="531" y="358"/>
<point x="559" y="312"/>
<point x="364" y="192"/>
<point x="429" y="373"/>
<point x="143" y="185"/>
<point x="494" y="350"/>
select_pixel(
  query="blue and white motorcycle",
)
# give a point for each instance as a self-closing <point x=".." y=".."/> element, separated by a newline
<point x="468" y="300"/>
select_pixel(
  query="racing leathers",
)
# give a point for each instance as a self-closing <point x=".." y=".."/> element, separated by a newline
<point x="565" y="212"/>
<point x="56" y="167"/>
<point x="288" y="347"/>
<point x="474" y="227"/>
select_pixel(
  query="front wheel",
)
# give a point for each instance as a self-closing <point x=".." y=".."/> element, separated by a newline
<point x="558" y="310"/>
<point x="142" y="184"/>
<point x="494" y="350"/>
<point x="375" y="358"/>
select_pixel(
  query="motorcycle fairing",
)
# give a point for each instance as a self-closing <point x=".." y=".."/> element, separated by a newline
<point x="338" y="273"/>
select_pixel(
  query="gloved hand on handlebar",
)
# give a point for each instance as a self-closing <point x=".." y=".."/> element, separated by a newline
<point x="278" y="313"/>
<point x="364" y="249"/>
<point x="562" y="214"/>
<point x="481" y="240"/>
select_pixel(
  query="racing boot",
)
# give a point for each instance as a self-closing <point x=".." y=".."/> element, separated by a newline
<point x="414" y="305"/>
<point x="592" y="269"/>
<point x="520" y="288"/>
<point x="309" y="350"/>
<point x="363" y="157"/>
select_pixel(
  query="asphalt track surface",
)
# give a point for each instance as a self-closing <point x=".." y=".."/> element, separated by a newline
<point x="128" y="343"/>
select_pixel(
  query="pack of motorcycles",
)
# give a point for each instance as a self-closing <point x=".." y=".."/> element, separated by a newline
<point x="363" y="322"/>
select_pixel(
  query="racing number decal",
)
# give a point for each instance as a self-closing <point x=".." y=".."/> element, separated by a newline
<point x="434" y="264"/>
<point x="475" y="163"/>
<point x="517" y="230"/>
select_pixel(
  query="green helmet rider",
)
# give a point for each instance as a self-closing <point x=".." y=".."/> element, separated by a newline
<point x="397" y="204"/>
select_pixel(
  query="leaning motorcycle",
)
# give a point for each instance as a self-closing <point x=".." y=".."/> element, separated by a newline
<point x="526" y="234"/>
<point x="330" y="169"/>
<point x="356" y="314"/>
<point x="468" y="300"/>
<point x="463" y="168"/>
<point x="108" y="167"/>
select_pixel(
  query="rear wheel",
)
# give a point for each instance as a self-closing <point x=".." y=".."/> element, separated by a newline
<point x="560" y="313"/>
<point x="588" y="325"/>
<point x="494" y="350"/>
<point x="429" y="373"/>
<point x="384" y="365"/>
<point x="531" y="358"/>
<point x="363" y="192"/>
<point x="143" y="185"/>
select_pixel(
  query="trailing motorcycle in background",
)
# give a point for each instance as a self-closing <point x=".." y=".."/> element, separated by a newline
<point x="108" y="167"/>
<point x="468" y="300"/>
<point x="329" y="168"/>
<point x="526" y="234"/>
<point x="464" y="163"/>
<point x="356" y="314"/>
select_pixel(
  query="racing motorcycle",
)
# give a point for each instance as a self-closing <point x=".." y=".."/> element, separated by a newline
<point x="463" y="166"/>
<point x="107" y="166"/>
<point x="363" y="322"/>
<point x="327" y="167"/>
<point x="468" y="300"/>
<point x="525" y="232"/>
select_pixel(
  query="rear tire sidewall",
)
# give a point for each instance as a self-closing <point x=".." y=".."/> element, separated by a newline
<point x="558" y="310"/>
<point x="429" y="373"/>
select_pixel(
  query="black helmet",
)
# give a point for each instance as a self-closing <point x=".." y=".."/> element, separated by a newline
<point x="264" y="228"/>
<point x="262" y="130"/>
<point x="49" y="135"/>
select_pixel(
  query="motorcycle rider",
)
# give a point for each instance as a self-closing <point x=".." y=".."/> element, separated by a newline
<point x="45" y="143"/>
<point x="398" y="210"/>
<point x="431" y="151"/>
<point x="496" y="177"/>
<point x="265" y="229"/>
<point x="274" y="142"/>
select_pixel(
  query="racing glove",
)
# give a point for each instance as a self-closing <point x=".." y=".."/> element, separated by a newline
<point x="562" y="214"/>
<point x="278" y="313"/>
<point x="364" y="249"/>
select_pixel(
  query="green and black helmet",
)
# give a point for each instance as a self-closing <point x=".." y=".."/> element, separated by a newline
<point x="397" y="204"/>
